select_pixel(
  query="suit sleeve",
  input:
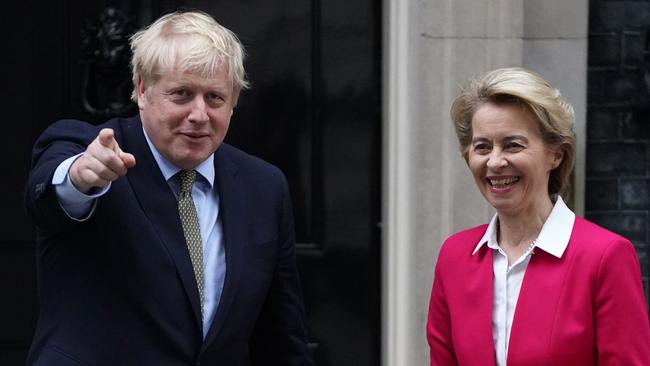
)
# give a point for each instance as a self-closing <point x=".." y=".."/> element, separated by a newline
<point x="280" y="336"/>
<point x="59" y="142"/>
<point x="622" y="327"/>
<point x="441" y="348"/>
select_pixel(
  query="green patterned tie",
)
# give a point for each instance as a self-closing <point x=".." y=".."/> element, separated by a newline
<point x="190" y="222"/>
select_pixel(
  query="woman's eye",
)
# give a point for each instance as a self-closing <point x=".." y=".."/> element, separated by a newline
<point x="481" y="148"/>
<point x="513" y="146"/>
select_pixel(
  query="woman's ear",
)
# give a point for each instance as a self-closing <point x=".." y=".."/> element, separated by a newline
<point x="558" y="156"/>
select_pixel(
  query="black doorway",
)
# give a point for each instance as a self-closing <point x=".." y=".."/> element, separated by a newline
<point x="314" y="110"/>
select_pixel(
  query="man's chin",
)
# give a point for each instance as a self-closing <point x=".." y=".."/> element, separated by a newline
<point x="187" y="163"/>
<point x="190" y="158"/>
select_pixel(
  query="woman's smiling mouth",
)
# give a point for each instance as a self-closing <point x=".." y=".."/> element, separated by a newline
<point x="502" y="182"/>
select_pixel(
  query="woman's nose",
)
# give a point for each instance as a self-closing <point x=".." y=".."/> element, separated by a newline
<point x="496" y="160"/>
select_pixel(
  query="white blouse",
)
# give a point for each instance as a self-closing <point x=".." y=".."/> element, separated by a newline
<point x="553" y="239"/>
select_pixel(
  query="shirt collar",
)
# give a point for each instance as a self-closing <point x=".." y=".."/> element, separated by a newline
<point x="490" y="236"/>
<point x="168" y="169"/>
<point x="553" y="238"/>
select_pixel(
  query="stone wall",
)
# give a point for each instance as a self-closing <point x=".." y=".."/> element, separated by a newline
<point x="431" y="47"/>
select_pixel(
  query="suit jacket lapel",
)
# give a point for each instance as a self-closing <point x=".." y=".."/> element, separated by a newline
<point x="481" y="289"/>
<point x="536" y="305"/>
<point x="232" y="215"/>
<point x="160" y="206"/>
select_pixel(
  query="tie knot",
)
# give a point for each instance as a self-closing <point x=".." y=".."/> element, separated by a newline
<point x="187" y="180"/>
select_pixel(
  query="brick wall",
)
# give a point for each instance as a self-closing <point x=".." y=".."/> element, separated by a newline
<point x="618" y="123"/>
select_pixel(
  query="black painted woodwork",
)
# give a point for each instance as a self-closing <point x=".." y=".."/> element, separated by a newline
<point x="313" y="109"/>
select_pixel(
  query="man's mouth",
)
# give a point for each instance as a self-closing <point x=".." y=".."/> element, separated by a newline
<point x="194" y="134"/>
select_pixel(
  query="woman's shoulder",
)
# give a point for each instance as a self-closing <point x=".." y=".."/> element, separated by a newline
<point x="586" y="227"/>
<point x="598" y="243"/>
<point x="466" y="239"/>
<point x="596" y="235"/>
<point x="476" y="231"/>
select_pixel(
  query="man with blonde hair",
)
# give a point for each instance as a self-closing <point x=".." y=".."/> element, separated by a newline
<point x="159" y="244"/>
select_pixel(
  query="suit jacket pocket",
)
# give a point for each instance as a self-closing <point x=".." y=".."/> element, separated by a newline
<point x="55" y="356"/>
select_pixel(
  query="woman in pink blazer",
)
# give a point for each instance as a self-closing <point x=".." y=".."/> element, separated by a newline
<point x="537" y="285"/>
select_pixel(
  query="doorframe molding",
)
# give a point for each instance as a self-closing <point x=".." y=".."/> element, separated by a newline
<point x="430" y="48"/>
<point x="396" y="195"/>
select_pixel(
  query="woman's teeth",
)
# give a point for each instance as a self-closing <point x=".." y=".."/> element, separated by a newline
<point x="503" y="182"/>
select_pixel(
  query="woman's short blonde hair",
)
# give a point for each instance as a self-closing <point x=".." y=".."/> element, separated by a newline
<point x="191" y="40"/>
<point x="520" y="86"/>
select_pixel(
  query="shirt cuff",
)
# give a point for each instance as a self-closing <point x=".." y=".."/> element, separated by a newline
<point x="76" y="204"/>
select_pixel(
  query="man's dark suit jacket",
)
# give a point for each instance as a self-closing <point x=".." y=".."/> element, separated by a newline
<point x="119" y="288"/>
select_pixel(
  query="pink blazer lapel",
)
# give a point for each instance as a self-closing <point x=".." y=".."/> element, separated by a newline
<point x="476" y="328"/>
<point x="533" y="322"/>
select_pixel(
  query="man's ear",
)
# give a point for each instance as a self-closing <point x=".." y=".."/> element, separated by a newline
<point x="140" y="90"/>
<point x="235" y="99"/>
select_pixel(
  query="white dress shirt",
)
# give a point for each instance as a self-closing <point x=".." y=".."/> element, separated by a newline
<point x="80" y="206"/>
<point x="553" y="239"/>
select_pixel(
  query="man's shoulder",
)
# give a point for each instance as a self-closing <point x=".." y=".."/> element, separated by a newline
<point x="78" y="128"/>
<point x="258" y="177"/>
<point x="243" y="161"/>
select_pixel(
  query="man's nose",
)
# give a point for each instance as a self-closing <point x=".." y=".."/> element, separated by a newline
<point x="199" y="112"/>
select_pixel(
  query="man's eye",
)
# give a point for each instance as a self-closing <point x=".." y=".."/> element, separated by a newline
<point x="214" y="97"/>
<point x="180" y="94"/>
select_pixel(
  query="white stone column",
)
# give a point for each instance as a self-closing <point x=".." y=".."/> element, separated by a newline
<point x="555" y="46"/>
<point x="431" y="47"/>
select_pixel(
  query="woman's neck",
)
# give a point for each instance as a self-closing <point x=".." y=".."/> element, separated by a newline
<point x="517" y="231"/>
